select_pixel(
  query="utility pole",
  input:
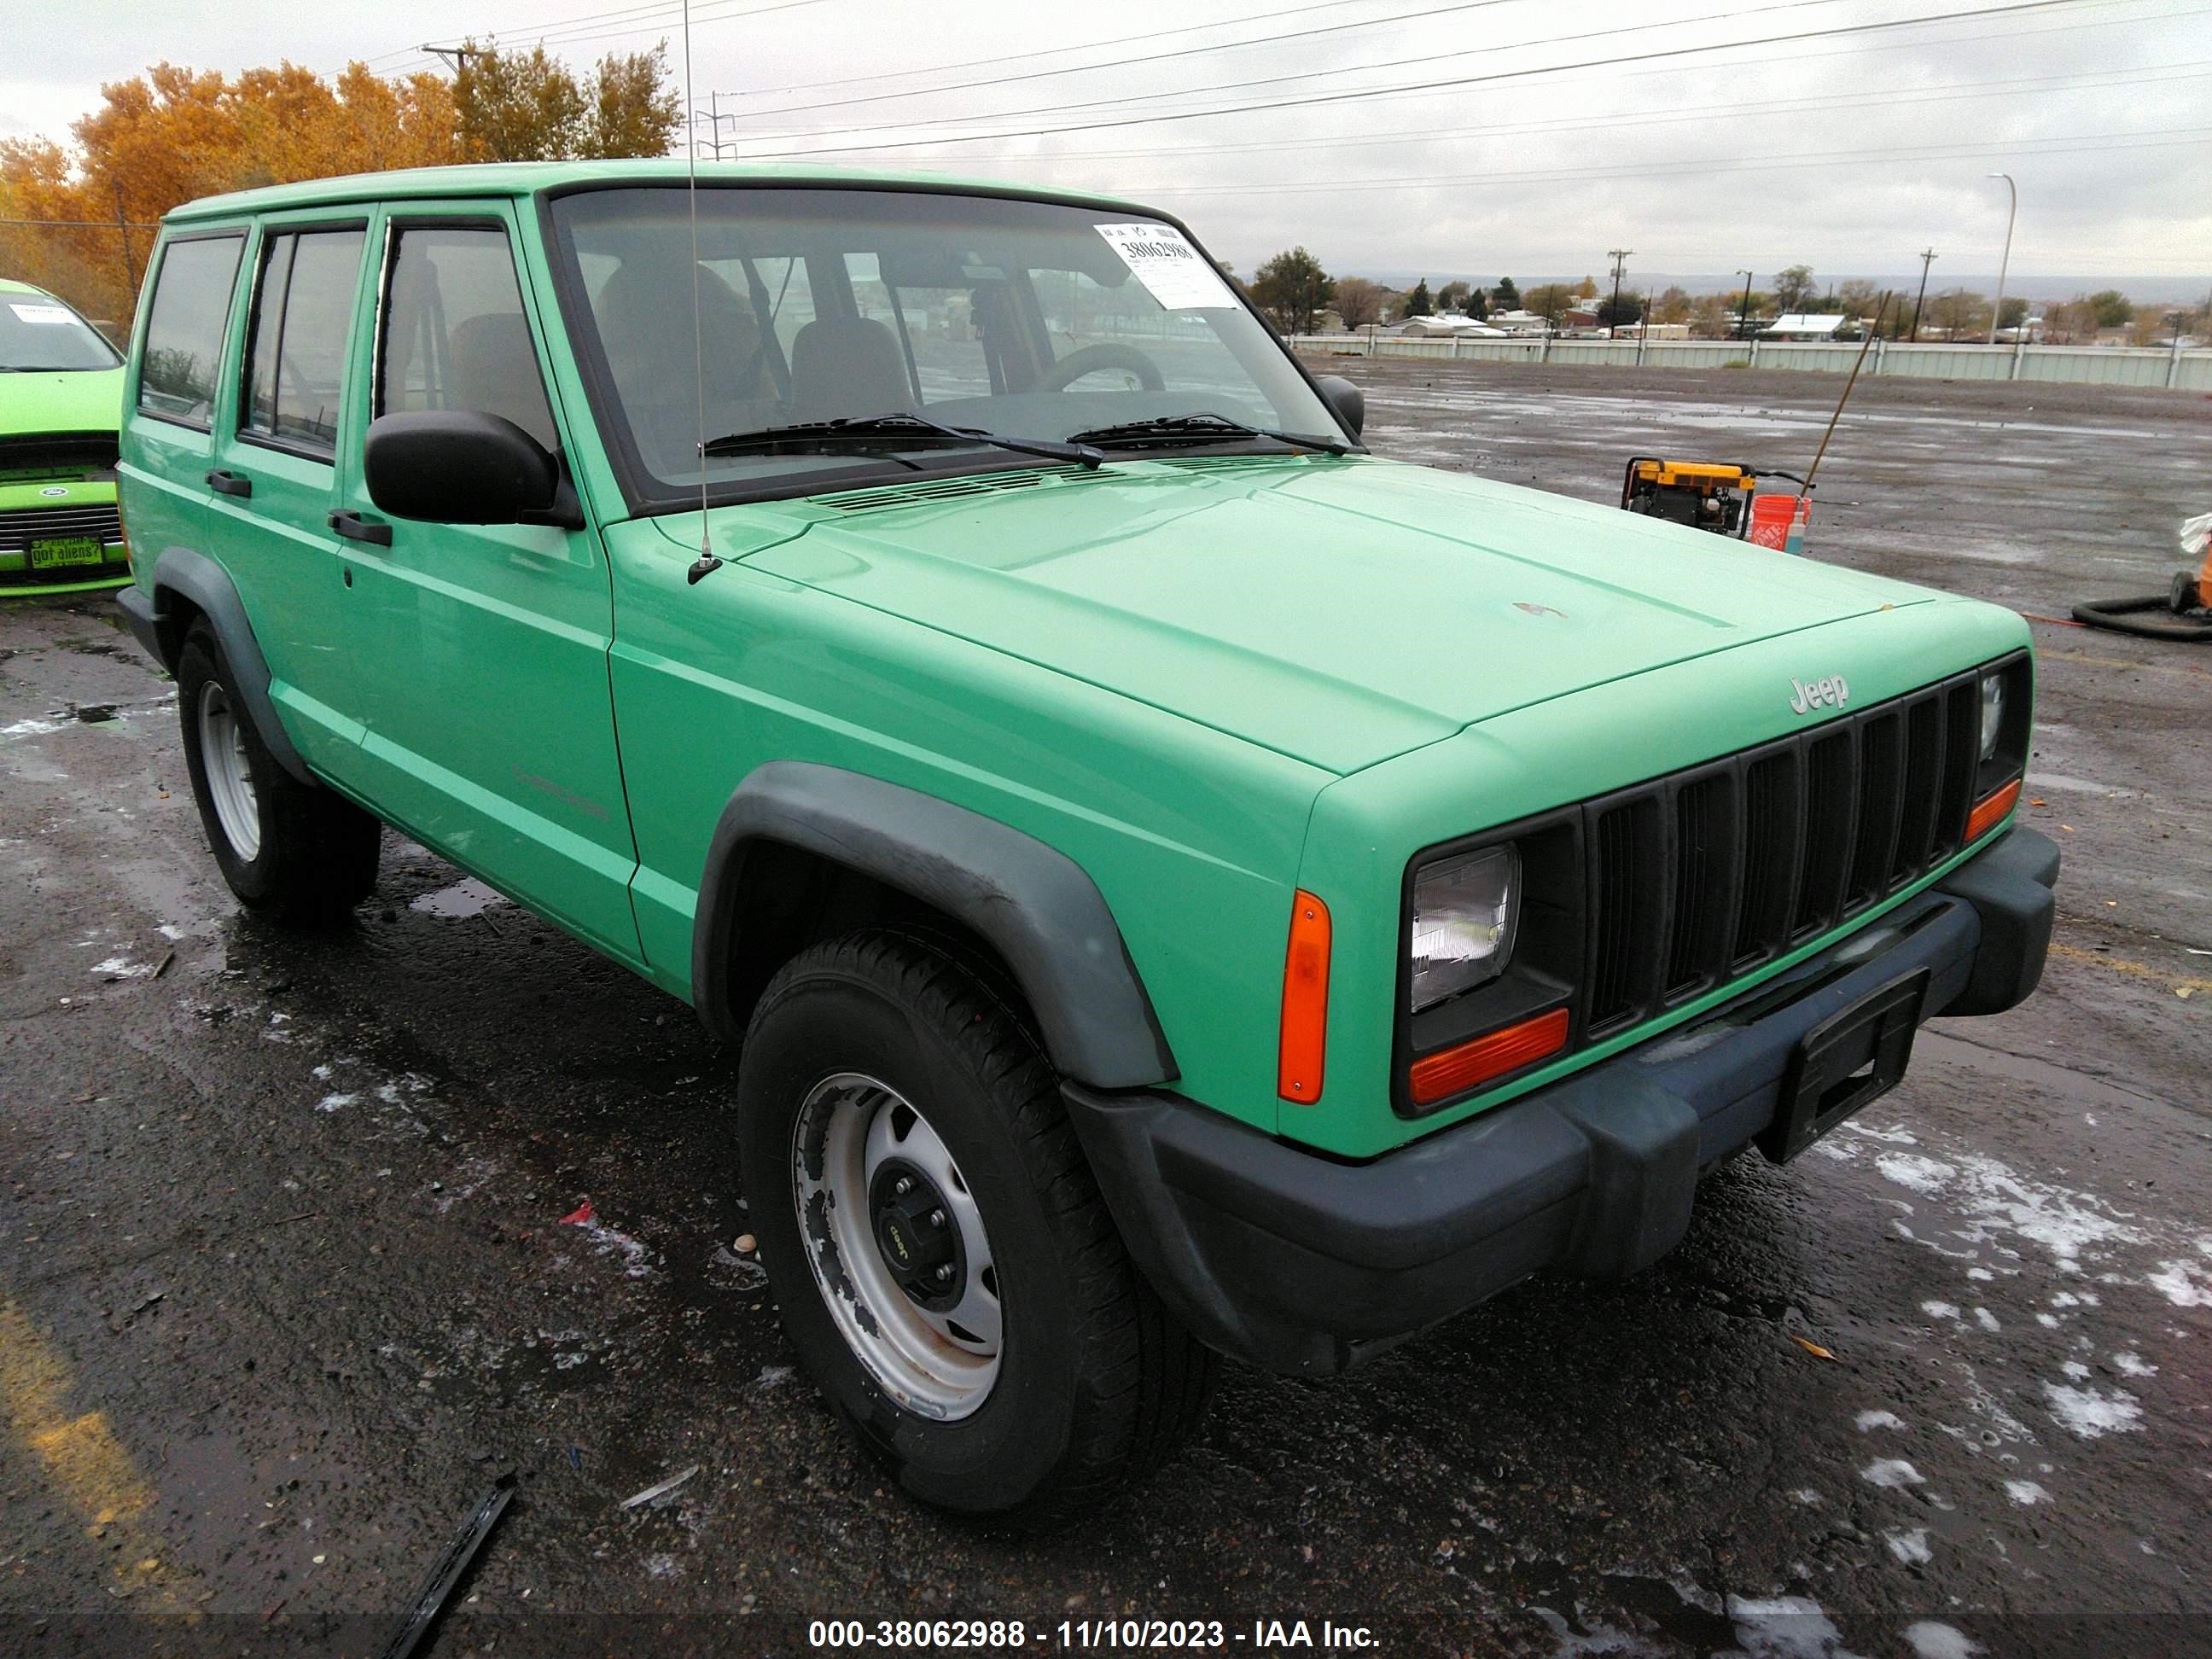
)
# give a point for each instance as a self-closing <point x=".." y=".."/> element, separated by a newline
<point x="715" y="118"/>
<point x="130" y="270"/>
<point x="2005" y="264"/>
<point x="459" y="55"/>
<point x="1619" y="269"/>
<point x="1927" y="257"/>
<point x="1743" y="312"/>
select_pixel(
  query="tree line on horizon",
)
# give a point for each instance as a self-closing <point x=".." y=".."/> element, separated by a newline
<point x="84" y="213"/>
<point x="1294" y="290"/>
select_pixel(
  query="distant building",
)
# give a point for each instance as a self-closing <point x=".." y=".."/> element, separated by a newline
<point x="1796" y="325"/>
<point x="1517" y="322"/>
<point x="1652" y="331"/>
<point x="1456" y="323"/>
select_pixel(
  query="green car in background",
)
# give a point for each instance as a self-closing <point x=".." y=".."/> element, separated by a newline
<point x="61" y="399"/>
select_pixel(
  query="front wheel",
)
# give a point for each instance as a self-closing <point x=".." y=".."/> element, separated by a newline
<point x="945" y="1265"/>
<point x="289" y="849"/>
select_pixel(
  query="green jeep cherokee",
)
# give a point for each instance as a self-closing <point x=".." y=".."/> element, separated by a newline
<point x="1176" y="883"/>
<point x="61" y="397"/>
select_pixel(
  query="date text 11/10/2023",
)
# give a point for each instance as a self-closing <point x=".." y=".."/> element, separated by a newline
<point x="1264" y="1636"/>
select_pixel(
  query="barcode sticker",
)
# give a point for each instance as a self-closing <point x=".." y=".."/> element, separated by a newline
<point x="1173" y="271"/>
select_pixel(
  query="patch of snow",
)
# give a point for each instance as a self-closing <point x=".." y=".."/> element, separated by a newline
<point x="2076" y="1370"/>
<point x="2128" y="1363"/>
<point x="1600" y="1638"/>
<point x="335" y="1102"/>
<point x="30" y="728"/>
<point x="1806" y="1496"/>
<point x="2049" y="1320"/>
<point x="2183" y="1283"/>
<point x="1910" y="1547"/>
<point x="1922" y="1175"/>
<point x="1930" y="1640"/>
<point x="1871" y="1420"/>
<point x="1890" y="1471"/>
<point x="2091" y="1412"/>
<point x="122" y="968"/>
<point x="1986" y="1320"/>
<point x="1785" y="1628"/>
<point x="1895" y="1135"/>
<point x="1940" y="1310"/>
<point x="2025" y="1493"/>
<point x="1981" y="1273"/>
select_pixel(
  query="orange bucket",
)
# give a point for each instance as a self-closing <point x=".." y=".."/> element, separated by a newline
<point x="1778" y="521"/>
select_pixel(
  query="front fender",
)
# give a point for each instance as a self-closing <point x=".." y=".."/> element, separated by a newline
<point x="1034" y="904"/>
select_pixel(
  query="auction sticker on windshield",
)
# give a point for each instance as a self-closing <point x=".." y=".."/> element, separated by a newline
<point x="1174" y="273"/>
<point x="41" y="314"/>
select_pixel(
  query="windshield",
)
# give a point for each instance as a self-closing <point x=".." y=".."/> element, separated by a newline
<point x="38" y="332"/>
<point x="1030" y="320"/>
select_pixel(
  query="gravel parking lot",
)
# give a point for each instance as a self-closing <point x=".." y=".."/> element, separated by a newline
<point x="294" y="1254"/>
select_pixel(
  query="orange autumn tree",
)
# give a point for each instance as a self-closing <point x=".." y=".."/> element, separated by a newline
<point x="174" y="134"/>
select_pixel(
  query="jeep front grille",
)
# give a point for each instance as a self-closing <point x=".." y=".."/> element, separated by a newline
<point x="1696" y="879"/>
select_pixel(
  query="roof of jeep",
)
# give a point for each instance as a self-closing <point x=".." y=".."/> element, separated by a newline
<point x="9" y="285"/>
<point x="530" y="178"/>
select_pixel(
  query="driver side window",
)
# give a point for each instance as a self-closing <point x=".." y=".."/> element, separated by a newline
<point x="455" y="334"/>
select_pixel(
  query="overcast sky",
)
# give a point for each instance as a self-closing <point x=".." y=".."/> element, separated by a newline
<point x="1849" y="151"/>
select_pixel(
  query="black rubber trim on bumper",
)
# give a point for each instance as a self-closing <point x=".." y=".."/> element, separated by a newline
<point x="1306" y="1265"/>
<point x="138" y="611"/>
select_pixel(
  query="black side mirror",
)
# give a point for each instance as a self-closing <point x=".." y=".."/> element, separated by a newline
<point x="1349" y="402"/>
<point x="460" y="467"/>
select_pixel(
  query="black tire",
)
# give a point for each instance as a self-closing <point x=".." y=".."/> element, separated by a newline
<point x="1096" y="1384"/>
<point x="317" y="852"/>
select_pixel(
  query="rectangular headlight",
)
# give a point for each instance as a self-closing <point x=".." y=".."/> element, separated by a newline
<point x="1464" y="912"/>
<point x="1993" y="713"/>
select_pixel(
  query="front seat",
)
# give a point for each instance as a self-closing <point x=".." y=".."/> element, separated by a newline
<point x="494" y="371"/>
<point x="644" y="316"/>
<point x="847" y="368"/>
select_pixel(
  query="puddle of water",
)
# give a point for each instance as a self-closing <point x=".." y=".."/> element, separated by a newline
<point x="469" y="897"/>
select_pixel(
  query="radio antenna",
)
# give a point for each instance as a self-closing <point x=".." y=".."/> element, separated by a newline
<point x="707" y="563"/>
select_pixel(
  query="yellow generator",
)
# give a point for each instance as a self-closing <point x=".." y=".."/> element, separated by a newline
<point x="1704" y="495"/>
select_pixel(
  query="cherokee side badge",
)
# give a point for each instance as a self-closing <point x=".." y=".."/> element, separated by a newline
<point x="1831" y="692"/>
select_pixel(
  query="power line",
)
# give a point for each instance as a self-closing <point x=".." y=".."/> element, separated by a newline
<point x="2189" y="70"/>
<point x="645" y="19"/>
<point x="1333" y="71"/>
<point x="1312" y="99"/>
<point x="2154" y="138"/>
<point x="1162" y="57"/>
<point x="1269" y="15"/>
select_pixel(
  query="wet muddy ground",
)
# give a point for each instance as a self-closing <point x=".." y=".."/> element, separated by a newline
<point x="294" y="1257"/>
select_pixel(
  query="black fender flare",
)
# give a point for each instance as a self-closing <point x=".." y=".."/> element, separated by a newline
<point x="193" y="576"/>
<point x="1034" y="905"/>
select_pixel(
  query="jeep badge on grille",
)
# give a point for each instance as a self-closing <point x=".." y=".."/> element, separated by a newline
<point x="1831" y="692"/>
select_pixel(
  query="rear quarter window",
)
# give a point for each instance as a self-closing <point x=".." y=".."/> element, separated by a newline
<point x="180" y="360"/>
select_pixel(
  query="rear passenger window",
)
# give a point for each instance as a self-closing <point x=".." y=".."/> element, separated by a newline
<point x="302" y="330"/>
<point x="455" y="334"/>
<point x="184" y="329"/>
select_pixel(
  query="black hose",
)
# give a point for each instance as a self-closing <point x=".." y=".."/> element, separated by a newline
<point x="2127" y="616"/>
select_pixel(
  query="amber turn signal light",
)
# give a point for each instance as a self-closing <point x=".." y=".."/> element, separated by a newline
<point x="1305" y="1002"/>
<point x="1990" y="809"/>
<point x="1456" y="1070"/>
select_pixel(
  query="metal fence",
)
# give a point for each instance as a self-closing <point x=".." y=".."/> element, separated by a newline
<point x="2183" y="371"/>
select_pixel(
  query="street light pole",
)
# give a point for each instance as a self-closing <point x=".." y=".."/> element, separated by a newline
<point x="2005" y="264"/>
<point x="1743" y="312"/>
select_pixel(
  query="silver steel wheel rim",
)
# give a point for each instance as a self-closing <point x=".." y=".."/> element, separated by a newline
<point x="229" y="776"/>
<point x="939" y="1365"/>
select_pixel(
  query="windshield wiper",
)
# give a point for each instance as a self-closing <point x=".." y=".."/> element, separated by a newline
<point x="1168" y="431"/>
<point x="887" y="432"/>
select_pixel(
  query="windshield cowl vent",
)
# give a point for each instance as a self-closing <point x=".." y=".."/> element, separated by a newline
<point x="989" y="483"/>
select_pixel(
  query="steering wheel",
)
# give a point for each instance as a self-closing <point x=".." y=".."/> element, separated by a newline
<point x="1094" y="359"/>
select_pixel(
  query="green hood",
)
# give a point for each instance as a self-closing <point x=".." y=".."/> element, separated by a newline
<point x="1337" y="612"/>
<point x="34" y="401"/>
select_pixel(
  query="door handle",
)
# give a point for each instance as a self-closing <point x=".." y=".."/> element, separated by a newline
<point x="230" y="483"/>
<point x="358" y="528"/>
